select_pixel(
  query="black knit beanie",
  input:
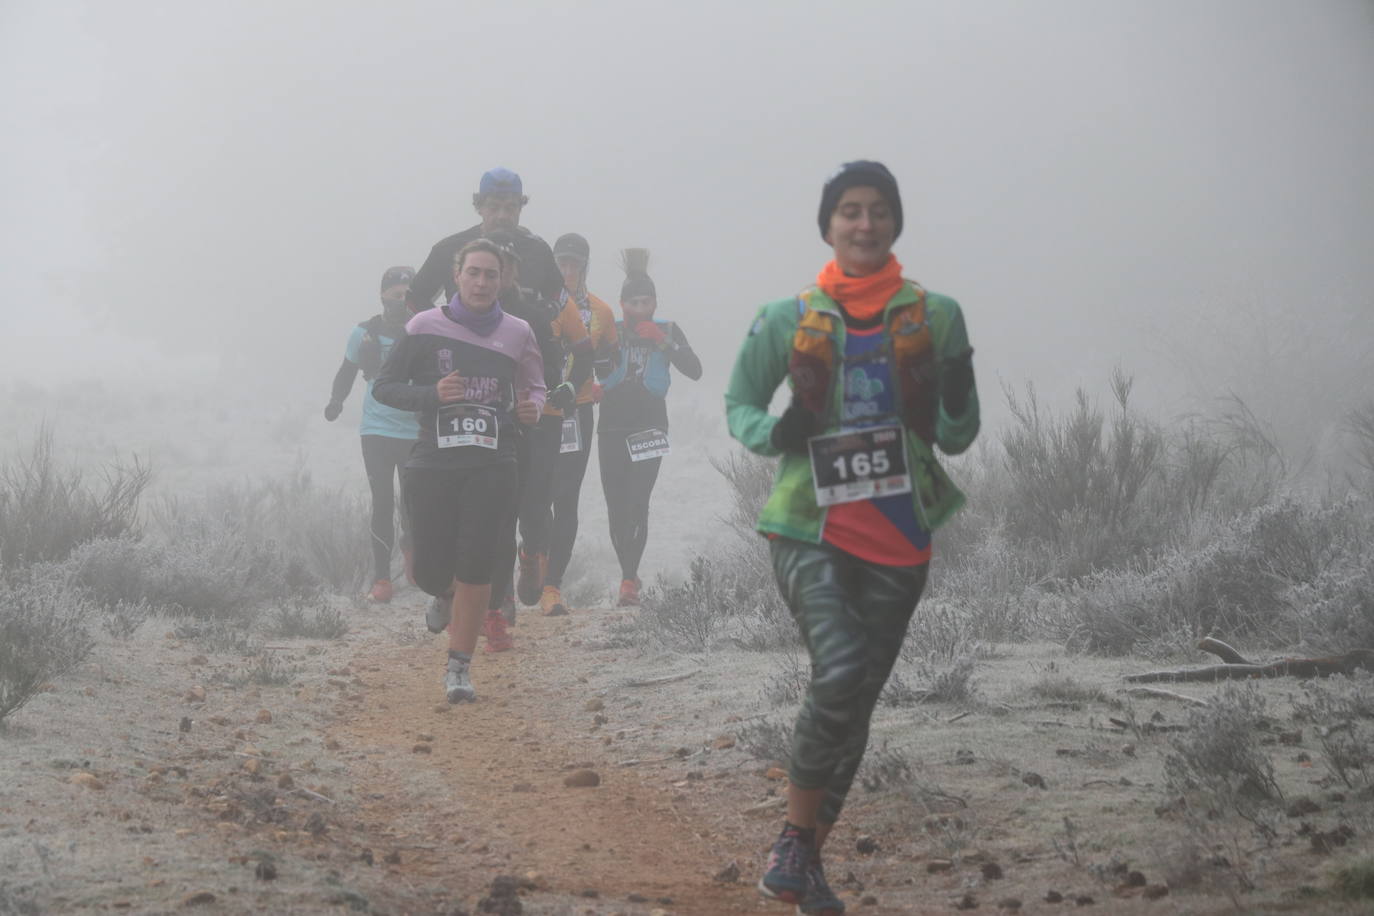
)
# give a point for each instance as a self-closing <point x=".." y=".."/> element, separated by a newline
<point x="635" y="263"/>
<point x="857" y="174"/>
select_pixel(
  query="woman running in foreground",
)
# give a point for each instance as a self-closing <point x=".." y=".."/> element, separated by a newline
<point x="471" y="372"/>
<point x="881" y="373"/>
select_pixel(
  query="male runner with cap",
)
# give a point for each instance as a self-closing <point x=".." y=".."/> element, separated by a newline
<point x="499" y="200"/>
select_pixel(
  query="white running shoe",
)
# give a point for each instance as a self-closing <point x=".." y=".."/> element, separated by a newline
<point x="438" y="614"/>
<point x="457" y="682"/>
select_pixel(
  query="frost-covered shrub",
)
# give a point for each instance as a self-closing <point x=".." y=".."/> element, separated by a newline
<point x="1287" y="572"/>
<point x="43" y="633"/>
<point x="1218" y="764"/>
<point x="46" y="511"/>
<point x="325" y="532"/>
<point x="208" y="569"/>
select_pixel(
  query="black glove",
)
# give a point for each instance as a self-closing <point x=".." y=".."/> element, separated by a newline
<point x="794" y="427"/>
<point x="956" y="382"/>
<point x="332" y="411"/>
<point x="564" y="397"/>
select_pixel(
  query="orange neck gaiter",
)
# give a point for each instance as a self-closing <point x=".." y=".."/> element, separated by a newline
<point x="862" y="297"/>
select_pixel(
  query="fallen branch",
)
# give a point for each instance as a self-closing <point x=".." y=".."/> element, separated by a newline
<point x="315" y="795"/>
<point x="1238" y="668"/>
<point x="666" y="679"/>
<point x="1161" y="694"/>
<point x="1222" y="651"/>
<point x="768" y="805"/>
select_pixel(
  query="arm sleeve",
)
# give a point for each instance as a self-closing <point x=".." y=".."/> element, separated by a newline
<point x="955" y="434"/>
<point x="683" y="358"/>
<point x="529" y="373"/>
<point x="759" y="369"/>
<point x="429" y="279"/>
<point x="392" y="386"/>
<point x="348" y="370"/>
<point x="343" y="380"/>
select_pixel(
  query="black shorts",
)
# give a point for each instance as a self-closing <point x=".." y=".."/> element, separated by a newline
<point x="454" y="517"/>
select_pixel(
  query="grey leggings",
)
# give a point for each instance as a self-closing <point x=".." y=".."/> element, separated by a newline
<point x="853" y="617"/>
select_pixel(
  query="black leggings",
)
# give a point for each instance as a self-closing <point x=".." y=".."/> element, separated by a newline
<point x="628" y="486"/>
<point x="569" y="470"/>
<point x="383" y="456"/>
<point x="453" y="515"/>
<point x="536" y="484"/>
<point x="503" y="561"/>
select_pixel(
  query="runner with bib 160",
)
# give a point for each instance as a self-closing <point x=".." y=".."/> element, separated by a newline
<point x="472" y="372"/>
<point x="632" y="437"/>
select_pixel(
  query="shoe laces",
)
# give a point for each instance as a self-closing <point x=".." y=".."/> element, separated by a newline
<point x="793" y="853"/>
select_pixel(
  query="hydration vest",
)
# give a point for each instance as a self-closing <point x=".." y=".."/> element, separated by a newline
<point x="817" y="362"/>
<point x="652" y="374"/>
<point x="370" y="350"/>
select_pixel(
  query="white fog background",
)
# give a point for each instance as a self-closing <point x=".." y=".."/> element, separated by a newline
<point x="202" y="197"/>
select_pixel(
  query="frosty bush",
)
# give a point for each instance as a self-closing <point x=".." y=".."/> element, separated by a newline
<point x="46" y="511"/>
<point x="1341" y="710"/>
<point x="208" y="569"/>
<point x="1286" y="572"/>
<point x="43" y="634"/>
<point x="324" y="532"/>
<point x="1218" y="763"/>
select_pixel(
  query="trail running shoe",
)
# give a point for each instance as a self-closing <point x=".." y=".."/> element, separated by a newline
<point x="530" y="581"/>
<point x="508" y="609"/>
<point x="494" y="629"/>
<point x="784" y="876"/>
<point x="551" y="602"/>
<point x="458" y="683"/>
<point x="819" y="899"/>
<point x="629" y="593"/>
<point x="381" y="592"/>
<point x="440" y="610"/>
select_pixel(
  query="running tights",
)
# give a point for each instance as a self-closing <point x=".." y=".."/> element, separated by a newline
<point x="383" y="456"/>
<point x="628" y="486"/>
<point x="853" y="617"/>
<point x="569" y="470"/>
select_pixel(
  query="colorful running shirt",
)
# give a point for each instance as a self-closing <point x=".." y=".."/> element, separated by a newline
<point x="378" y="419"/>
<point x="599" y="320"/>
<point x="482" y="428"/>
<point x="882" y="530"/>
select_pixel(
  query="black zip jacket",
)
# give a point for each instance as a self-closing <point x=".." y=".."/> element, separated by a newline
<point x="537" y="268"/>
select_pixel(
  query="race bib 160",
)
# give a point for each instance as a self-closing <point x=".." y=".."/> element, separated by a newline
<point x="461" y="425"/>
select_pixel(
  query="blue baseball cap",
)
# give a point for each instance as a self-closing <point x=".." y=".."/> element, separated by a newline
<point x="500" y="181"/>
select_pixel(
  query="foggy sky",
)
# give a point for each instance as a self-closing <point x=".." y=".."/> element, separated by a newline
<point x="211" y="191"/>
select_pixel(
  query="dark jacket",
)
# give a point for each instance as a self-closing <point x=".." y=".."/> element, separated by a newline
<point x="537" y="268"/>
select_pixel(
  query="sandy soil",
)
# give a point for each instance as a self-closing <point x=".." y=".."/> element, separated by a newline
<point x="356" y="787"/>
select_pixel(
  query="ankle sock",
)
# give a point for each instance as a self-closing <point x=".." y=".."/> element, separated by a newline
<point x="805" y="834"/>
<point x="464" y="657"/>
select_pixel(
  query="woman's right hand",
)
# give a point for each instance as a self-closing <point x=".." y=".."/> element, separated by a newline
<point x="452" y="387"/>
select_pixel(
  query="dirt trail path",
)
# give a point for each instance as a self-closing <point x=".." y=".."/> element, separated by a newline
<point x="503" y="761"/>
